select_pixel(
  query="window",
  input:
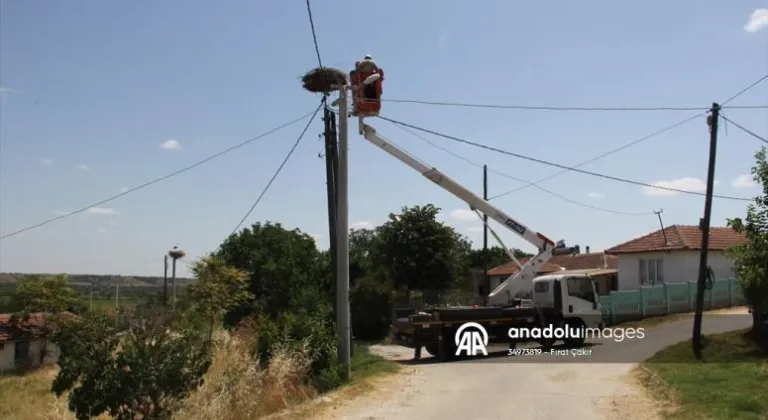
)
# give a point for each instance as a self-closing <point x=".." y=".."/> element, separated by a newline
<point x="580" y="287"/>
<point x="541" y="287"/>
<point x="651" y="272"/>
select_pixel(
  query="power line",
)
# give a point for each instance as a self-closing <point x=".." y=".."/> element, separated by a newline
<point x="314" y="34"/>
<point x="163" y="178"/>
<point x="744" y="129"/>
<point x="560" y="108"/>
<point x="280" y="168"/>
<point x="456" y="155"/>
<point x="741" y="92"/>
<point x="557" y="165"/>
<point x="610" y="152"/>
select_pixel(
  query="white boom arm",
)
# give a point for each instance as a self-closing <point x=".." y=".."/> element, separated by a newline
<point x="502" y="294"/>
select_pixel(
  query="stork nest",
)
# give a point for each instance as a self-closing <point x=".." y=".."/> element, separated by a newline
<point x="322" y="80"/>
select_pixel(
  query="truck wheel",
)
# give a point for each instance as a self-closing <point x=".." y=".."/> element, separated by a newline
<point x="432" y="348"/>
<point x="576" y="342"/>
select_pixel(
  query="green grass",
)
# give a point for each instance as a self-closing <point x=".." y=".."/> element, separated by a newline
<point x="365" y="364"/>
<point x="731" y="383"/>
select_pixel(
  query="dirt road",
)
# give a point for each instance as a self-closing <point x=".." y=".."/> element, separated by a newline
<point x="597" y="386"/>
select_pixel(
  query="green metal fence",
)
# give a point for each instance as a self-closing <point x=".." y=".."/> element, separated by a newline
<point x="668" y="299"/>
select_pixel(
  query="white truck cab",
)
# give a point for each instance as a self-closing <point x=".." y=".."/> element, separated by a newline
<point x="572" y="294"/>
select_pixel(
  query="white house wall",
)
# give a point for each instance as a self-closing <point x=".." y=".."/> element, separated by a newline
<point x="679" y="266"/>
<point x="7" y="354"/>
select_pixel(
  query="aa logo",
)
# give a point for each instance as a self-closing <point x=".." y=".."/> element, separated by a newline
<point x="471" y="338"/>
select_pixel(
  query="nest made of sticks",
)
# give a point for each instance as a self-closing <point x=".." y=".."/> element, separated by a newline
<point x="322" y="79"/>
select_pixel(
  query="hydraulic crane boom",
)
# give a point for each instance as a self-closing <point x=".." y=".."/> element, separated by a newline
<point x="502" y="294"/>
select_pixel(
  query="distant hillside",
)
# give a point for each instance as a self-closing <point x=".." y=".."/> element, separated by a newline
<point x="99" y="282"/>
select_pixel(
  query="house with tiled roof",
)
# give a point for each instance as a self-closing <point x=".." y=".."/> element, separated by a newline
<point x="599" y="261"/>
<point x="23" y="343"/>
<point x="672" y="255"/>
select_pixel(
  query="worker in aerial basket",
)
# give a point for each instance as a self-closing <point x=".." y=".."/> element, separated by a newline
<point x="366" y="99"/>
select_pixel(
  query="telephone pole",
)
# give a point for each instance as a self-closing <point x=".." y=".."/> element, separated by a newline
<point x="331" y="180"/>
<point x="486" y="256"/>
<point x="342" y="254"/>
<point x="704" y="224"/>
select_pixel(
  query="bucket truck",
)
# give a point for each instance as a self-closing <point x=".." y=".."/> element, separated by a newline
<point x="558" y="299"/>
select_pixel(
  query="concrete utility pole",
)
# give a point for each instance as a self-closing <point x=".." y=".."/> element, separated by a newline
<point x="176" y="254"/>
<point x="165" y="280"/>
<point x="342" y="252"/>
<point x="704" y="225"/>
<point x="486" y="256"/>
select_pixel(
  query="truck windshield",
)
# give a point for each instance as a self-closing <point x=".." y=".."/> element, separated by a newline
<point x="580" y="287"/>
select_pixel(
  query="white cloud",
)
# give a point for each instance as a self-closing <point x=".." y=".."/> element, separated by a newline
<point x="46" y="161"/>
<point x="463" y="215"/>
<point x="101" y="230"/>
<point x="757" y="20"/>
<point x="60" y="212"/>
<point x="363" y="224"/>
<point x="743" y="181"/>
<point x="84" y="167"/>
<point x="171" y="145"/>
<point x="475" y="229"/>
<point x="8" y="90"/>
<point x="123" y="189"/>
<point x="688" y="184"/>
<point x="102" y="211"/>
<point x="596" y="195"/>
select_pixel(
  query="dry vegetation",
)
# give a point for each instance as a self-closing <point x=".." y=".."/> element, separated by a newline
<point x="235" y="387"/>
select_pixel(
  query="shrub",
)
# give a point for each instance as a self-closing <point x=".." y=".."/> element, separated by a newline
<point x="371" y="307"/>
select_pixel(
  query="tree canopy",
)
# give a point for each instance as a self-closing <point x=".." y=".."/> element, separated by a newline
<point x="750" y="259"/>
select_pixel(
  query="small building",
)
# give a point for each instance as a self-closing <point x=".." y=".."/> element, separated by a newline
<point x="603" y="266"/>
<point x="672" y="255"/>
<point x="24" y="345"/>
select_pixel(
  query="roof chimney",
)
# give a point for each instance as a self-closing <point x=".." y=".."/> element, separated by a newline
<point x="587" y="249"/>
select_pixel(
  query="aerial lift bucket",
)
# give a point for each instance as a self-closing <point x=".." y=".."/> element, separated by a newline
<point x="366" y="99"/>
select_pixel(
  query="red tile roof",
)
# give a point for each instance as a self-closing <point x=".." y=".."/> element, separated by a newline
<point x="678" y="238"/>
<point x="510" y="268"/>
<point x="585" y="261"/>
<point x="562" y="262"/>
<point x="31" y="328"/>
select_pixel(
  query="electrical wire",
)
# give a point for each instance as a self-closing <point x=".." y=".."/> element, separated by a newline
<point x="557" y="108"/>
<point x="608" y="153"/>
<point x="746" y="130"/>
<point x="317" y="48"/>
<point x="162" y="178"/>
<point x="743" y="91"/>
<point x="280" y="168"/>
<point x="502" y="174"/>
<point x="557" y="165"/>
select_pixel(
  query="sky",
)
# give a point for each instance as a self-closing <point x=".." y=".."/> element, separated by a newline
<point x="98" y="97"/>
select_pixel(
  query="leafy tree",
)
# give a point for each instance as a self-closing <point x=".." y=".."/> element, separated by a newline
<point x="495" y="256"/>
<point x="44" y="294"/>
<point x="750" y="259"/>
<point x="284" y="266"/>
<point x="418" y="252"/>
<point x="219" y="288"/>
<point x="145" y="373"/>
<point x="371" y="303"/>
<point x="361" y="254"/>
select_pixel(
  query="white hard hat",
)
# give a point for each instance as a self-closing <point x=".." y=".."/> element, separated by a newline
<point x="368" y="57"/>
